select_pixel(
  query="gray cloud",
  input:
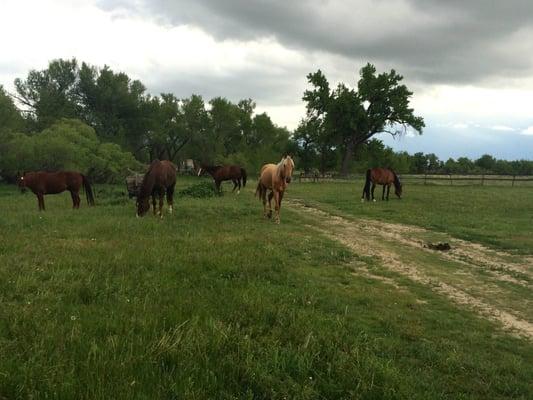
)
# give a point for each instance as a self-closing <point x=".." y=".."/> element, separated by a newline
<point x="427" y="40"/>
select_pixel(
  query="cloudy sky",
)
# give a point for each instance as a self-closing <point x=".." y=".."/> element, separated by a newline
<point x="469" y="62"/>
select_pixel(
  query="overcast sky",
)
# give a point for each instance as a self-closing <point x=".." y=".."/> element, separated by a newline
<point x="469" y="63"/>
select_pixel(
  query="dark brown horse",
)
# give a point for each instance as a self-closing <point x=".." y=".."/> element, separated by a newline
<point x="160" y="179"/>
<point x="381" y="176"/>
<point x="221" y="173"/>
<point x="42" y="183"/>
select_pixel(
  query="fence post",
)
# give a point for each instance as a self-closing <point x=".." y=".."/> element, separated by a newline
<point x="514" y="177"/>
<point x="300" y="178"/>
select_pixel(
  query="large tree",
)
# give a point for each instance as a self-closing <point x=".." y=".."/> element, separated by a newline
<point x="353" y="116"/>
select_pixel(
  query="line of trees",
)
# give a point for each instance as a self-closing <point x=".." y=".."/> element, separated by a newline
<point x="120" y="111"/>
<point x="104" y="123"/>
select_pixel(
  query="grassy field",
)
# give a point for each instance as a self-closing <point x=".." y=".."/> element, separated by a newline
<point x="216" y="302"/>
<point x="501" y="217"/>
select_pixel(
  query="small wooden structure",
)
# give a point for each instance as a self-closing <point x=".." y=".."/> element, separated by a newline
<point x="133" y="184"/>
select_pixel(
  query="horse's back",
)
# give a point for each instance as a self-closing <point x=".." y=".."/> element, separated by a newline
<point x="266" y="175"/>
<point x="54" y="182"/>
<point x="381" y="175"/>
<point x="165" y="173"/>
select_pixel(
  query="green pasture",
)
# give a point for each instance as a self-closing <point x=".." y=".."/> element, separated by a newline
<point x="214" y="302"/>
<point x="501" y="217"/>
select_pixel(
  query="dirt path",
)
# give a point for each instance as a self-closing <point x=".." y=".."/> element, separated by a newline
<point x="380" y="240"/>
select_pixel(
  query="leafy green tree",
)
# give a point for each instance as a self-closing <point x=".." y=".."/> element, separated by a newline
<point x="50" y="94"/>
<point x="486" y="162"/>
<point x="10" y="117"/>
<point x="66" y="145"/>
<point x="380" y="104"/>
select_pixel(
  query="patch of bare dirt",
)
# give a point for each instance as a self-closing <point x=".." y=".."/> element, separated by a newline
<point x="500" y="265"/>
<point x="361" y="237"/>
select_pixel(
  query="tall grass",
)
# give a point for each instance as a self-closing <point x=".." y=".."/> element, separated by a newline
<point x="216" y="302"/>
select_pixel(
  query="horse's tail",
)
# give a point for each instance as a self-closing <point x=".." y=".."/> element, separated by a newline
<point x="366" y="189"/>
<point x="243" y="174"/>
<point x="259" y="190"/>
<point x="88" y="190"/>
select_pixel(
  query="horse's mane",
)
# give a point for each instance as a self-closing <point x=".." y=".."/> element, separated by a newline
<point x="281" y="165"/>
<point x="147" y="185"/>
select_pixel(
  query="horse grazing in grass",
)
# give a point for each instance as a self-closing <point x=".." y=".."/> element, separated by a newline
<point x="158" y="181"/>
<point x="276" y="178"/>
<point x="42" y="183"/>
<point x="381" y="176"/>
<point x="225" y="173"/>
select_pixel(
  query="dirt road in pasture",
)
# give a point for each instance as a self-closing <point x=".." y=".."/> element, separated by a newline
<point x="495" y="284"/>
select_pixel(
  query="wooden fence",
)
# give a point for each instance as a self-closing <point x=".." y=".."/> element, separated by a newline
<point x="432" y="179"/>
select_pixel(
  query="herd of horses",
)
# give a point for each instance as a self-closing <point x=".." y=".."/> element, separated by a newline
<point x="160" y="180"/>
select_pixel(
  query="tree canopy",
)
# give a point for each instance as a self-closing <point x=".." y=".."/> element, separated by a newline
<point x="351" y="117"/>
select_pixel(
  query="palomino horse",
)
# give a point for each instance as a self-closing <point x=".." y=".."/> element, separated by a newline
<point x="160" y="179"/>
<point x="274" y="177"/>
<point x="225" y="173"/>
<point x="42" y="183"/>
<point x="381" y="176"/>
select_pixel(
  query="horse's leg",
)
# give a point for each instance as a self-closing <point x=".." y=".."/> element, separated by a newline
<point x="388" y="191"/>
<point x="383" y="194"/>
<point x="270" y="195"/>
<point x="170" y="198"/>
<point x="75" y="199"/>
<point x="239" y="182"/>
<point x="161" y="203"/>
<point x="277" y="202"/>
<point x="153" y="202"/>
<point x="373" y="188"/>
<point x="217" y="184"/>
<point x="40" y="201"/>
<point x="234" y="185"/>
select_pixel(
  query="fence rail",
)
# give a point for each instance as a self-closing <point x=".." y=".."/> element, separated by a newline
<point x="432" y="179"/>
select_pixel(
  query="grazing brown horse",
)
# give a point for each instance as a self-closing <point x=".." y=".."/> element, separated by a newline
<point x="42" y="183"/>
<point x="381" y="176"/>
<point x="160" y="179"/>
<point x="274" y="177"/>
<point x="225" y="173"/>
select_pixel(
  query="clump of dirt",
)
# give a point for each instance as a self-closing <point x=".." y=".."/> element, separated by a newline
<point x="443" y="246"/>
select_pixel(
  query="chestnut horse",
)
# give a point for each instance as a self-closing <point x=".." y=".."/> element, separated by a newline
<point x="42" y="183"/>
<point x="160" y="179"/>
<point x="274" y="177"/>
<point x="381" y="176"/>
<point x="225" y="173"/>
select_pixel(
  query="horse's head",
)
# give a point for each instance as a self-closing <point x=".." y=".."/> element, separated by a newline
<point x="143" y="205"/>
<point x="398" y="187"/>
<point x="21" y="181"/>
<point x="287" y="166"/>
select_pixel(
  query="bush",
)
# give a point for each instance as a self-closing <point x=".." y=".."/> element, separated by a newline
<point x="200" y="190"/>
<point x="67" y="145"/>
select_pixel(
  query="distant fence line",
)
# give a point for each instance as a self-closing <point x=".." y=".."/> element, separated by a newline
<point x="431" y="179"/>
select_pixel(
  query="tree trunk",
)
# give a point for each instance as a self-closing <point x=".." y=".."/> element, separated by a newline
<point x="347" y="158"/>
